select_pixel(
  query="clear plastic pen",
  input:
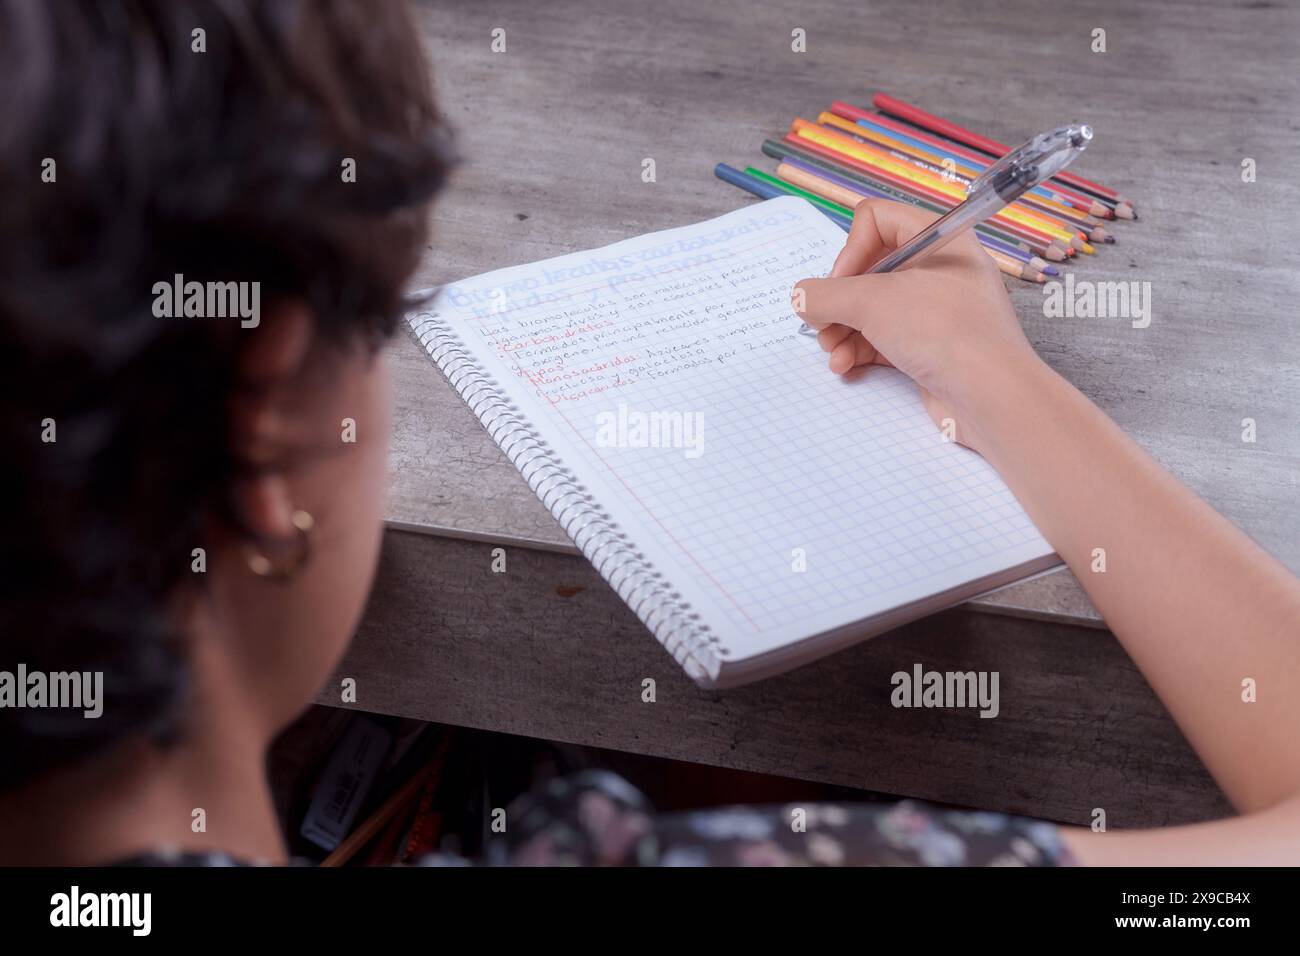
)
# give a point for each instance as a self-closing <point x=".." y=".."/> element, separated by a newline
<point x="1000" y="185"/>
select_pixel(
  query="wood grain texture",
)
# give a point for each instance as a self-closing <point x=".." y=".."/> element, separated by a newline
<point x="547" y="650"/>
<point x="554" y="130"/>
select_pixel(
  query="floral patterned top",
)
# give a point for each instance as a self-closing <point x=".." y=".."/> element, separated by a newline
<point x="596" y="818"/>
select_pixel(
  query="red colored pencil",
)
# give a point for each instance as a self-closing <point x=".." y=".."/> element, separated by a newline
<point x="943" y="127"/>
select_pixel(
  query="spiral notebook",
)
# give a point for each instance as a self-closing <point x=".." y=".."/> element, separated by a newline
<point x="753" y="509"/>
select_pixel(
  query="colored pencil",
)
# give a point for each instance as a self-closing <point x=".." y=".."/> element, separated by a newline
<point x="919" y="117"/>
<point x="1021" y="270"/>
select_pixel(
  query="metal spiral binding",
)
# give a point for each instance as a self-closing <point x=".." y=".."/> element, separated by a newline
<point x="596" y="535"/>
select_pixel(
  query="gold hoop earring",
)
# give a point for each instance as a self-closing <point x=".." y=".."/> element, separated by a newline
<point x="283" y="567"/>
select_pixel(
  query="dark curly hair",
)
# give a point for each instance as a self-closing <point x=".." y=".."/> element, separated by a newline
<point x="221" y="164"/>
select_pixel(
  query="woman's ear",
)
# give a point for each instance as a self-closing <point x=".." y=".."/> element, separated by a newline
<point x="263" y="415"/>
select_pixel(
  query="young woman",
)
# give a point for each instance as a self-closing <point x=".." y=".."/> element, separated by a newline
<point x="179" y="514"/>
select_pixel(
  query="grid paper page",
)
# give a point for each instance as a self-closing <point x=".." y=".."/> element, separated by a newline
<point x="788" y="501"/>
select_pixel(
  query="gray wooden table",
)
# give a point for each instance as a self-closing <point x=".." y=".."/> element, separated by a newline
<point x="553" y="133"/>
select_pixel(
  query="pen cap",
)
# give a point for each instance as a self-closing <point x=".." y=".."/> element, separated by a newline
<point x="1033" y="163"/>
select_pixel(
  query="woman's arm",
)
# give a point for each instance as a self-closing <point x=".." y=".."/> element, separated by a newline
<point x="1197" y="604"/>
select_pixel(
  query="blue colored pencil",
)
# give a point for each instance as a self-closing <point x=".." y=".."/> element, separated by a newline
<point x="764" y="190"/>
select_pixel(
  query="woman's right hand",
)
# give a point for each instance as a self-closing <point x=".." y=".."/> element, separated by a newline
<point x="946" y="322"/>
